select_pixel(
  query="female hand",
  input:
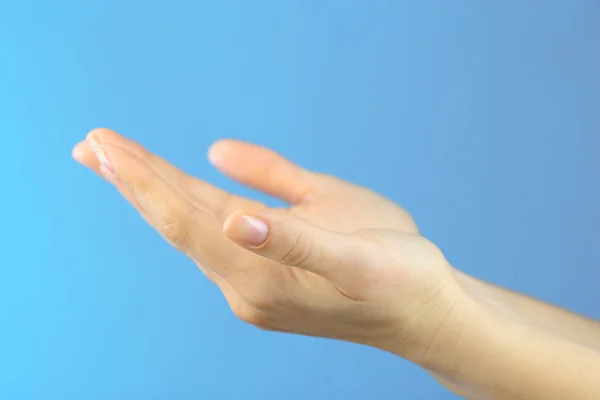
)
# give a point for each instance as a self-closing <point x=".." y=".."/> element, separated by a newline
<point x="341" y="262"/>
<point x="344" y="263"/>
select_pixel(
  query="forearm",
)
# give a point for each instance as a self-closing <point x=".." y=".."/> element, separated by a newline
<point x="512" y="361"/>
<point x="533" y="312"/>
<point x="479" y="355"/>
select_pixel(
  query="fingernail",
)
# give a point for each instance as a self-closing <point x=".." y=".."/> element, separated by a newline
<point x="248" y="231"/>
<point x="93" y="142"/>
<point x="106" y="167"/>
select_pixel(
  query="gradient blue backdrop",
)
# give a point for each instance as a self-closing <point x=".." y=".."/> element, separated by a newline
<point x="482" y="118"/>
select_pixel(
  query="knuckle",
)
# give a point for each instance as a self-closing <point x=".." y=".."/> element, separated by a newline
<point x="142" y="186"/>
<point x="301" y="250"/>
<point x="230" y="203"/>
<point x="252" y="316"/>
<point x="264" y="301"/>
<point x="177" y="231"/>
<point x="264" y="297"/>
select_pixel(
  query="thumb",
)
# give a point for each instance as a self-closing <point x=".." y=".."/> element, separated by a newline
<point x="293" y="241"/>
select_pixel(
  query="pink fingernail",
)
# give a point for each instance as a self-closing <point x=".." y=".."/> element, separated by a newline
<point x="106" y="167"/>
<point x="248" y="231"/>
<point x="93" y="142"/>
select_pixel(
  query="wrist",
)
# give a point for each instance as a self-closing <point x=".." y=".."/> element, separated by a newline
<point x="483" y="348"/>
<point x="474" y="340"/>
<point x="471" y="339"/>
<point x="462" y="317"/>
<point x="433" y="336"/>
<point x="487" y="296"/>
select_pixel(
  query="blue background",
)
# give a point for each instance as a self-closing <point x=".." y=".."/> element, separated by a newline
<point x="482" y="118"/>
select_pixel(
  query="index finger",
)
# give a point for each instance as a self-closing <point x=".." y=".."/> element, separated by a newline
<point x="197" y="191"/>
<point x="194" y="231"/>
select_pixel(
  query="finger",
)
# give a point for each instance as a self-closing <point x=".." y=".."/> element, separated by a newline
<point x="202" y="194"/>
<point x="195" y="232"/>
<point x="289" y="240"/>
<point x="83" y="154"/>
<point x="264" y="170"/>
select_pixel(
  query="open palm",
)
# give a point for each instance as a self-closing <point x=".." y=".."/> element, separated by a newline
<point x="167" y="197"/>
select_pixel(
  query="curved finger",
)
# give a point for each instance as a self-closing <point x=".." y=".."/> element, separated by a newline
<point x="85" y="156"/>
<point x="264" y="170"/>
<point x="201" y="193"/>
<point x="194" y="231"/>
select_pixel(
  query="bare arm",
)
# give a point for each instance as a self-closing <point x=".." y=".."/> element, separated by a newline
<point x="347" y="264"/>
<point x="504" y="345"/>
<point x="533" y="312"/>
<point x="510" y="361"/>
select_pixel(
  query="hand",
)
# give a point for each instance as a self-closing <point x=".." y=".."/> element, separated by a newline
<point x="341" y="262"/>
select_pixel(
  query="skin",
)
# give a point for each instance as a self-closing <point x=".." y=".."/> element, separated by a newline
<point x="343" y="262"/>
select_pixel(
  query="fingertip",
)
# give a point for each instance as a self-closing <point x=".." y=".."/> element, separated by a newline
<point x="231" y="155"/>
<point x="213" y="154"/>
<point x="77" y="152"/>
<point x="99" y="132"/>
<point x="104" y="136"/>
<point x="219" y="151"/>
<point x="81" y="153"/>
